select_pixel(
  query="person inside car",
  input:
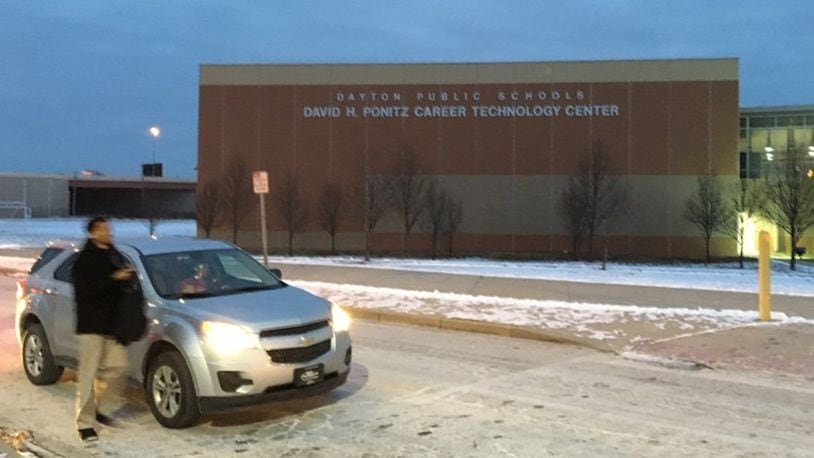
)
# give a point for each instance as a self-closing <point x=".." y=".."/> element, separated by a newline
<point x="198" y="282"/>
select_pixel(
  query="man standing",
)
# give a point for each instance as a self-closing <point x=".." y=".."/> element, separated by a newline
<point x="97" y="276"/>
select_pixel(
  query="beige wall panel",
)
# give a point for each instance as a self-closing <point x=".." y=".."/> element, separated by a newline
<point x="553" y="72"/>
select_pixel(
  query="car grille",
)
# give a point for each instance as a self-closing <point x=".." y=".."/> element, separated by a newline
<point x="300" y="355"/>
<point x="295" y="330"/>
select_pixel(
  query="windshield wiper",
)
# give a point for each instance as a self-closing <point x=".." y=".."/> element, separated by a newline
<point x="193" y="295"/>
<point x="251" y="288"/>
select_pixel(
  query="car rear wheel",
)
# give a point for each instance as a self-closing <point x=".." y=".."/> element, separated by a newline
<point x="38" y="362"/>
<point x="170" y="391"/>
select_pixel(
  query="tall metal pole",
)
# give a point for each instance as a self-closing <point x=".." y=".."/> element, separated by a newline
<point x="263" y="235"/>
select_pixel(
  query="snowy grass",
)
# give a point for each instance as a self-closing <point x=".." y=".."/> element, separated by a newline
<point x="717" y="277"/>
<point x="601" y="322"/>
<point x="19" y="233"/>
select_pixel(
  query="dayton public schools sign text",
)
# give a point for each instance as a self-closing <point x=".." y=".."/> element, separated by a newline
<point x="462" y="104"/>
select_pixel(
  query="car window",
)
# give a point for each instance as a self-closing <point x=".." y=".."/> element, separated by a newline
<point x="207" y="273"/>
<point x="45" y="257"/>
<point x="64" y="272"/>
<point x="235" y="268"/>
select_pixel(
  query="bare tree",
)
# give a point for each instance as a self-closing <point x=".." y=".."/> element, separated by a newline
<point x="435" y="212"/>
<point x="330" y="210"/>
<point x="573" y="210"/>
<point x="745" y="201"/>
<point x="605" y="196"/>
<point x="374" y="206"/>
<point x="707" y="210"/>
<point x="290" y="205"/>
<point x="236" y="194"/>
<point x="152" y="224"/>
<point x="405" y="192"/>
<point x="790" y="197"/>
<point x="452" y="220"/>
<point x="207" y="202"/>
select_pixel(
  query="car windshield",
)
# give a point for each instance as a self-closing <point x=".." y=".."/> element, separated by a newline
<point x="198" y="274"/>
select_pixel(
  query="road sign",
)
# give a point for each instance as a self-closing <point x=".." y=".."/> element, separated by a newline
<point x="260" y="181"/>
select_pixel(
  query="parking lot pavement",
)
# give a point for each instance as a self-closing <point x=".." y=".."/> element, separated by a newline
<point x="417" y="391"/>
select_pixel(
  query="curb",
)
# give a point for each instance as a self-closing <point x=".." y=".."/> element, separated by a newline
<point x="479" y="327"/>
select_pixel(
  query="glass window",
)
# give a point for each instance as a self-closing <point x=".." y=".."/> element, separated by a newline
<point x="46" y="257"/>
<point x="743" y="142"/>
<point x="804" y="137"/>
<point x="196" y="274"/>
<point x="760" y="139"/>
<point x="756" y="165"/>
<point x="65" y="271"/>
<point x="744" y="121"/>
<point x="763" y="121"/>
<point x="779" y="140"/>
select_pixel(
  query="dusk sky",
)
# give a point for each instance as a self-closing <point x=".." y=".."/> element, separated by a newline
<point x="81" y="82"/>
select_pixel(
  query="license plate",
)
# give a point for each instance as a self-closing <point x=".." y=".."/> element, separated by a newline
<point x="309" y="375"/>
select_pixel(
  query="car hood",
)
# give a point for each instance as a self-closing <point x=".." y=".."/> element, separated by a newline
<point x="283" y="307"/>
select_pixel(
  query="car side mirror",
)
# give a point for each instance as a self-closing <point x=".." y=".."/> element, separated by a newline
<point x="277" y="272"/>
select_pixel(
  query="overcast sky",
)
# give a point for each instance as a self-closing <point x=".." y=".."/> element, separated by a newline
<point x="81" y="82"/>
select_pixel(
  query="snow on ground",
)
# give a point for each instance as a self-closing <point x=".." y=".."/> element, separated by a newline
<point x="20" y="233"/>
<point x="718" y="277"/>
<point x="16" y="233"/>
<point x="602" y="322"/>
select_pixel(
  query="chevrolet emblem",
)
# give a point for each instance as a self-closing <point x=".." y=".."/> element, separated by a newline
<point x="304" y="341"/>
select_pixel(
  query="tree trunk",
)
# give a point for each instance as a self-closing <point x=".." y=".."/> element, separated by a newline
<point x="434" y="242"/>
<point x="706" y="247"/>
<point x="449" y="244"/>
<point x="793" y="263"/>
<point x="333" y="243"/>
<point x="290" y="243"/>
<point x="367" y="245"/>
<point x="234" y="234"/>
<point x="741" y="249"/>
<point x="405" y="243"/>
<point x="591" y="244"/>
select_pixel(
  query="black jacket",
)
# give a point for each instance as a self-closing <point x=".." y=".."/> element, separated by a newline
<point x="96" y="293"/>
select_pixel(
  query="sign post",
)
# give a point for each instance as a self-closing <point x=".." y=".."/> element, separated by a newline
<point x="260" y="182"/>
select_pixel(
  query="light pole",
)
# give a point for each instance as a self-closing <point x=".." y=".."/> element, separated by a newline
<point x="155" y="131"/>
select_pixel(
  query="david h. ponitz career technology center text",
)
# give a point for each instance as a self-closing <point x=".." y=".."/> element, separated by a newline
<point x="456" y="104"/>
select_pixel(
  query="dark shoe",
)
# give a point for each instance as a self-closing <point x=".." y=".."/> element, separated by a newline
<point x="88" y="435"/>
<point x="104" y="420"/>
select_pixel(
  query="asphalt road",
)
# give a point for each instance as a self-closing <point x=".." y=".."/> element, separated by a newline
<point x="424" y="392"/>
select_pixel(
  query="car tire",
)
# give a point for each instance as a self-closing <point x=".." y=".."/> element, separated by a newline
<point x="38" y="361"/>
<point x="170" y="391"/>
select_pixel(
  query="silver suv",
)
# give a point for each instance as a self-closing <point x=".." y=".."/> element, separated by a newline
<point x="224" y="332"/>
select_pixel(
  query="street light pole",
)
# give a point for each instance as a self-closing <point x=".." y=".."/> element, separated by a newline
<point x="155" y="131"/>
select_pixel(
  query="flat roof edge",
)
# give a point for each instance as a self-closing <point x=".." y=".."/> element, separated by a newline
<point x="712" y="69"/>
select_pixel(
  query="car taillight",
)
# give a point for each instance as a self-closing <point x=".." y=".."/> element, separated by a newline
<point x="20" y="289"/>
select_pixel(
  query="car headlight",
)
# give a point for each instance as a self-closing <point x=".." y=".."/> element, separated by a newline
<point x="341" y="319"/>
<point x="227" y="338"/>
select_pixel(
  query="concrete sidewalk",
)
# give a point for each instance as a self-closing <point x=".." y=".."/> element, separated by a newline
<point x="785" y="349"/>
<point x="520" y="288"/>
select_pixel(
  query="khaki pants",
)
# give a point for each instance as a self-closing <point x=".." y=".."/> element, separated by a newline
<point x="101" y="361"/>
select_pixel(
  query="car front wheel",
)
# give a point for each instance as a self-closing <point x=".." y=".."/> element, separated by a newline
<point x="38" y="362"/>
<point x="170" y="391"/>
